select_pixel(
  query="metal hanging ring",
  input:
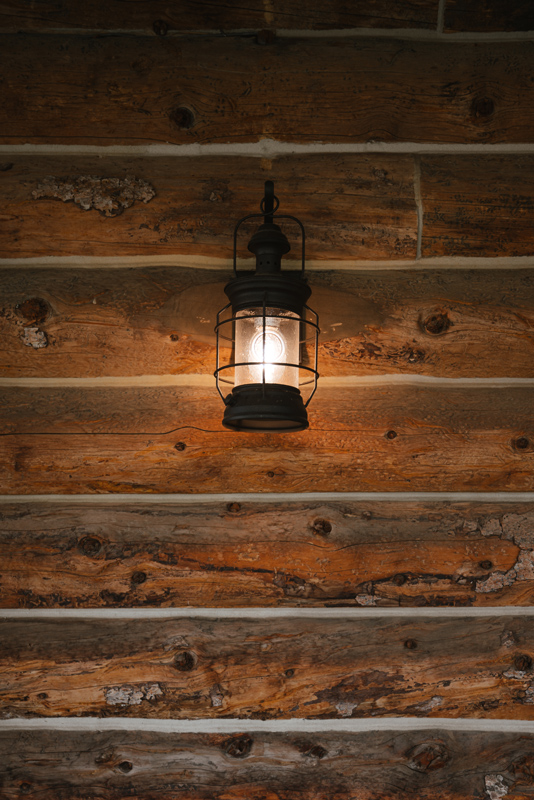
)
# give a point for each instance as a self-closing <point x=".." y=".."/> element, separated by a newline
<point x="275" y="208"/>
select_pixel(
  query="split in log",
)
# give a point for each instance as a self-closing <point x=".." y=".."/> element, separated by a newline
<point x="379" y="765"/>
<point x="268" y="668"/>
<point x="387" y="438"/>
<point x="161" y="18"/>
<point x="477" y="206"/>
<point x="87" y="555"/>
<point x="138" y="90"/>
<point x="152" y="321"/>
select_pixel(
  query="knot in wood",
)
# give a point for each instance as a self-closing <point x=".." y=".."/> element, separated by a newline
<point x="233" y="508"/>
<point x="521" y="443"/>
<point x="90" y="546"/>
<point x="485" y="564"/>
<point x="185" y="661"/>
<point x="410" y="644"/>
<point x="522" y="662"/>
<point x="428" y="756"/>
<point x="322" y="527"/>
<point x="391" y="434"/>
<point x="182" y="117"/>
<point x="34" y="310"/>
<point x="180" y="446"/>
<point x="125" y="766"/>
<point x="436" y="323"/>
<point x="238" y="746"/>
<point x="138" y="578"/>
<point x="483" y="107"/>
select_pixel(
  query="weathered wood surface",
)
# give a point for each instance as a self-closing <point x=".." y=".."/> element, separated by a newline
<point x="157" y="16"/>
<point x="113" y="90"/>
<point x="477" y="206"/>
<point x="392" y="438"/>
<point x="149" y="321"/>
<point x="353" y="206"/>
<point x="488" y="15"/>
<point x="268" y="668"/>
<point x="252" y="554"/>
<point x="379" y="765"/>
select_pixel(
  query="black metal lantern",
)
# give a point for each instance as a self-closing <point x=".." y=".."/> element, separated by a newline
<point x="269" y="333"/>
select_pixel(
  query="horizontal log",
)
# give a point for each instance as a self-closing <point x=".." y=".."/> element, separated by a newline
<point x="392" y="438"/>
<point x="137" y="90"/>
<point x="477" y="206"/>
<point x="149" y="321"/>
<point x="353" y="206"/>
<point x="252" y="554"/>
<point x="268" y="669"/>
<point x="433" y="764"/>
<point x="157" y="16"/>
<point x="488" y="15"/>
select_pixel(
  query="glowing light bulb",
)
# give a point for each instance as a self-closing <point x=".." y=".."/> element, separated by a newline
<point x="263" y="352"/>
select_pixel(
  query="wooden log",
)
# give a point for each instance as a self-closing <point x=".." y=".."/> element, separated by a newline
<point x="477" y="206"/>
<point x="353" y="206"/>
<point x="150" y="321"/>
<point x="162" y="18"/>
<point x="268" y="668"/>
<point x="137" y="90"/>
<point x="433" y="764"/>
<point x="488" y="15"/>
<point x="392" y="438"/>
<point x="241" y="554"/>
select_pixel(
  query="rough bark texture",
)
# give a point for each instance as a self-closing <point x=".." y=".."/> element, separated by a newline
<point x="430" y="765"/>
<point x="161" y="18"/>
<point x="477" y="206"/>
<point x="488" y="15"/>
<point x="363" y="439"/>
<point x="251" y="554"/>
<point x="149" y="321"/>
<point x="224" y="89"/>
<point x="268" y="669"/>
<point x="353" y="206"/>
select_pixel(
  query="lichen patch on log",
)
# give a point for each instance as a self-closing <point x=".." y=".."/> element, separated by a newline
<point x="109" y="196"/>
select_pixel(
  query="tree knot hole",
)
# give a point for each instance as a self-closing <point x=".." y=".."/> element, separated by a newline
<point x="185" y="661"/>
<point x="238" y="746"/>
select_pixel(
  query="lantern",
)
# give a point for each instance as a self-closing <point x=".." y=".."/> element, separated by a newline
<point x="269" y="334"/>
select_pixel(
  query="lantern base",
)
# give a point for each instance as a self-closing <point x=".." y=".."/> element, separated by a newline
<point x="267" y="407"/>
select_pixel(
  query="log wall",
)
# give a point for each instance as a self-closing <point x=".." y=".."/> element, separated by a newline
<point x="159" y="570"/>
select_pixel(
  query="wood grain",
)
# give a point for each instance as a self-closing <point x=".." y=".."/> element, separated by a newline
<point x="353" y="206"/>
<point x="477" y="206"/>
<point x="432" y="764"/>
<point x="252" y="554"/>
<point x="488" y="15"/>
<point x="137" y="90"/>
<point x="268" y="669"/>
<point x="62" y="322"/>
<point x="161" y="17"/>
<point x="392" y="438"/>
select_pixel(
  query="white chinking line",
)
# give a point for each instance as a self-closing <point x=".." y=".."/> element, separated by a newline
<point x="178" y="726"/>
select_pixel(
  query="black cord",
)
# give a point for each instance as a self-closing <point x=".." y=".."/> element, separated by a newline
<point x="108" y="433"/>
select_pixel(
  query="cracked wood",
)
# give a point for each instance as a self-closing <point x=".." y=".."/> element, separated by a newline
<point x="252" y="554"/>
<point x="221" y="89"/>
<point x="387" y="438"/>
<point x="268" y="669"/>
<point x="150" y="321"/>
<point x="431" y="765"/>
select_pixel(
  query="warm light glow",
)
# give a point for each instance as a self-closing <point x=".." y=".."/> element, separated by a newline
<point x="271" y="347"/>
